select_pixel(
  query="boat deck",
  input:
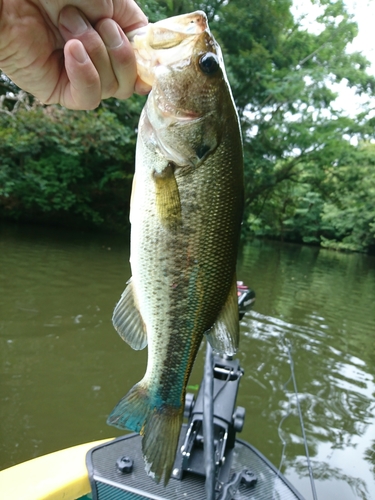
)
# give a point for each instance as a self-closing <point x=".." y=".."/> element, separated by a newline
<point x="108" y="482"/>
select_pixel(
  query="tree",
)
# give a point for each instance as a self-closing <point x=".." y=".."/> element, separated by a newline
<point x="61" y="165"/>
<point x="349" y="214"/>
<point x="282" y="79"/>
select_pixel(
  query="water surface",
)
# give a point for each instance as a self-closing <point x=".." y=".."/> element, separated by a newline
<point x="63" y="367"/>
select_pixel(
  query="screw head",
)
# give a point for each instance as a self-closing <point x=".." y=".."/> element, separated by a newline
<point x="124" y="464"/>
<point x="248" y="478"/>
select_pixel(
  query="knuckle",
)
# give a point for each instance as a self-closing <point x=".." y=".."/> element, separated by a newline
<point x="110" y="89"/>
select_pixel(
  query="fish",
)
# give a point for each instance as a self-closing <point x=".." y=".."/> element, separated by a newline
<point x="186" y="213"/>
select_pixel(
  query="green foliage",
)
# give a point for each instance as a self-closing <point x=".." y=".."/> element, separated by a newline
<point x="305" y="181"/>
<point x="60" y="163"/>
<point x="282" y="78"/>
<point x="350" y="211"/>
<point x="333" y="207"/>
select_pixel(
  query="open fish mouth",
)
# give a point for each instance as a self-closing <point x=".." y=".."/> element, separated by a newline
<point x="166" y="34"/>
<point x="138" y="31"/>
<point x="150" y="43"/>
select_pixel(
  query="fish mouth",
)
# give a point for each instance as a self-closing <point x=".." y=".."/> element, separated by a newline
<point x="170" y="32"/>
<point x="137" y="32"/>
<point x="166" y="42"/>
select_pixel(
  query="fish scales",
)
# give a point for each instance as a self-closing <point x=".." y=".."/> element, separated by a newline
<point x="186" y="210"/>
<point x="183" y="266"/>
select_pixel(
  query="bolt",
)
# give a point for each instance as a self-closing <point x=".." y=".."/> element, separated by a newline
<point x="125" y="464"/>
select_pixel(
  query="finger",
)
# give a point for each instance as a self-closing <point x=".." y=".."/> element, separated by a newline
<point x="128" y="15"/>
<point x="121" y="55"/>
<point x="80" y="86"/>
<point x="74" y="25"/>
<point x="125" y="12"/>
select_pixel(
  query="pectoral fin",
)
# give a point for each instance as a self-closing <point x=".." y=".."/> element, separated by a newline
<point x="167" y="197"/>
<point x="224" y="335"/>
<point x="128" y="321"/>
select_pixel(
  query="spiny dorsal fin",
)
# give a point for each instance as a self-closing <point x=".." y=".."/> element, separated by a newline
<point x="224" y="335"/>
<point x="128" y="321"/>
<point x="167" y="197"/>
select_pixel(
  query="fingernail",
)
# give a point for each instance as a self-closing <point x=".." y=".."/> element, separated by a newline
<point x="73" y="21"/>
<point x="111" y="34"/>
<point x="78" y="52"/>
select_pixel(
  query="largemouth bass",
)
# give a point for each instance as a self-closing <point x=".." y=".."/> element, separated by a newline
<point x="186" y="210"/>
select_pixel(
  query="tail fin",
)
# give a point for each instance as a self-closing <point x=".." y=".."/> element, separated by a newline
<point x="159" y="424"/>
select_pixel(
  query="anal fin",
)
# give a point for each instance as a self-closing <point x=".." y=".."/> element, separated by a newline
<point x="224" y="334"/>
<point x="128" y="321"/>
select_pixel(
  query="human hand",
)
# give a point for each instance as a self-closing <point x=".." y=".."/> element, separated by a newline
<point x="74" y="57"/>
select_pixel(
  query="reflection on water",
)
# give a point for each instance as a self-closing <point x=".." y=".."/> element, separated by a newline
<point x="63" y="367"/>
<point x="322" y="304"/>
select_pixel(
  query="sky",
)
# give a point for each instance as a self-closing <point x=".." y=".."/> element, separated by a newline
<point x="364" y="15"/>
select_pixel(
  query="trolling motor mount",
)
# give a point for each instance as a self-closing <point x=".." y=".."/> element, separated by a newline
<point x="227" y="421"/>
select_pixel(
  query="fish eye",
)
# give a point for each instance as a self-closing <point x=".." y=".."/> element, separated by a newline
<point x="209" y="63"/>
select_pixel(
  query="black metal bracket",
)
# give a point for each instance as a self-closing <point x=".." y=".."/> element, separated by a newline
<point x="227" y="421"/>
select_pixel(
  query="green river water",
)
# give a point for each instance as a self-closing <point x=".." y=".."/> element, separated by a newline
<point x="63" y="367"/>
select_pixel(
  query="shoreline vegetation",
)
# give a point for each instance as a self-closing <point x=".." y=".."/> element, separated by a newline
<point x="309" y="167"/>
